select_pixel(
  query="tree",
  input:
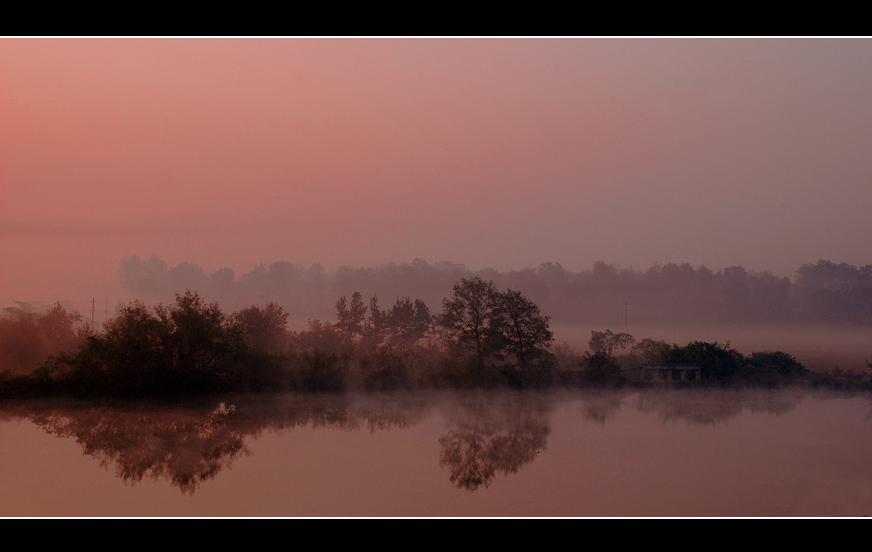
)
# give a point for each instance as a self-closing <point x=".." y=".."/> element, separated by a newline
<point x="351" y="320"/>
<point x="607" y="341"/>
<point x="201" y="336"/>
<point x="264" y="328"/>
<point x="523" y="330"/>
<point x="57" y="327"/>
<point x="601" y="368"/>
<point x="130" y="356"/>
<point x="189" y="346"/>
<point x="320" y="337"/>
<point x="649" y="351"/>
<point x="771" y="368"/>
<point x="374" y="328"/>
<point x="408" y="322"/>
<point x="718" y="362"/>
<point x="469" y="318"/>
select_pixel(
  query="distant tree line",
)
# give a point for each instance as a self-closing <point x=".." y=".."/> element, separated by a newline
<point x="824" y="292"/>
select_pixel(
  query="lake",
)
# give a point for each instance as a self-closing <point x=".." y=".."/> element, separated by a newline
<point x="631" y="452"/>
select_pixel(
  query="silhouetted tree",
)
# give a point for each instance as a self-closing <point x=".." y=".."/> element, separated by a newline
<point x="771" y="368"/>
<point x="187" y="347"/>
<point x="351" y="320"/>
<point x="607" y="341"/>
<point x="264" y="328"/>
<point x="649" y="351"/>
<point x="408" y="323"/>
<point x="469" y="318"/>
<point x="601" y="368"/>
<point x="718" y="362"/>
<point x="320" y="336"/>
<point x="375" y="326"/>
<point x="523" y="331"/>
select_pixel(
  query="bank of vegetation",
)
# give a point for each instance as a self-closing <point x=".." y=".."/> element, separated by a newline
<point x="482" y="337"/>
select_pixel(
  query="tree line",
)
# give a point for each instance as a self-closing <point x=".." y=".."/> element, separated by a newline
<point x="483" y="337"/>
<point x="824" y="292"/>
<point x="191" y="346"/>
<point x="616" y="357"/>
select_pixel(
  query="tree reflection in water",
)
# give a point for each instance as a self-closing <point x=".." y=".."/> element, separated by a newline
<point x="487" y="433"/>
<point x="710" y="406"/>
<point x="180" y="446"/>
<point x="491" y="438"/>
<point x="190" y="446"/>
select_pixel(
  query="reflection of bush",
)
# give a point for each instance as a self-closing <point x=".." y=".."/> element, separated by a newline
<point x="711" y="406"/>
<point x="158" y="445"/>
<point x="488" y="433"/>
<point x="476" y="455"/>
<point x="492" y="437"/>
<point x="190" y="446"/>
<point x="602" y="405"/>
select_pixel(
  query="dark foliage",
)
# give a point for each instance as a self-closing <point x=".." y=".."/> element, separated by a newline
<point x="772" y="369"/>
<point x="503" y="329"/>
<point x="601" y="368"/>
<point x="719" y="363"/>
<point x="264" y="328"/>
<point x="188" y="347"/>
<point x="470" y="319"/>
<point x="484" y="338"/>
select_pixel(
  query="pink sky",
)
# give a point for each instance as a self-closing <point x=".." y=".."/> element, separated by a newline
<point x="499" y="153"/>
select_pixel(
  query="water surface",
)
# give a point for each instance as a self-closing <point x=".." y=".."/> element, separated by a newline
<point x="680" y="452"/>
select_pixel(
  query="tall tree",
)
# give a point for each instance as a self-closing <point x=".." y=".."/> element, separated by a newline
<point x="351" y="318"/>
<point x="606" y="341"/>
<point x="264" y="328"/>
<point x="375" y="326"/>
<point x="523" y="330"/>
<point x="408" y="322"/>
<point x="469" y="318"/>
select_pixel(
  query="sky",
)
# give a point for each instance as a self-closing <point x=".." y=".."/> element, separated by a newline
<point x="491" y="152"/>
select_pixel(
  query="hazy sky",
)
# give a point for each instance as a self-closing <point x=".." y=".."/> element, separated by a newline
<point x="500" y="153"/>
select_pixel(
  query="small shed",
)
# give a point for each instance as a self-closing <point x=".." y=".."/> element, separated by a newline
<point x="670" y="373"/>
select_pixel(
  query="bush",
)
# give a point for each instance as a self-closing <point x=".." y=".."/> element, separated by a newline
<point x="601" y="368"/>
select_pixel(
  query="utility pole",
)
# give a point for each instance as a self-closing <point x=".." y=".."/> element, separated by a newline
<point x="93" y="304"/>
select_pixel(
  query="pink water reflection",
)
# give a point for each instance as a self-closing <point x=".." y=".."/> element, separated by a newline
<point x="610" y="453"/>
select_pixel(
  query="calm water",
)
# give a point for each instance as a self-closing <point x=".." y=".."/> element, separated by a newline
<point x="621" y="453"/>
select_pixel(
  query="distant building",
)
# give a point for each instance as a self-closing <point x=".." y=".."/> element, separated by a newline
<point x="670" y="373"/>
